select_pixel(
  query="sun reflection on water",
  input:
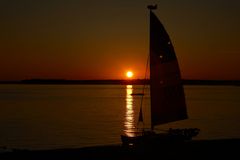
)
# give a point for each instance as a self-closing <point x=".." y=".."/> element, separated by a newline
<point x="129" y="115"/>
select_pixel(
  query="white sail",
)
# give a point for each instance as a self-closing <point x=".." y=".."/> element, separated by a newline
<point x="167" y="94"/>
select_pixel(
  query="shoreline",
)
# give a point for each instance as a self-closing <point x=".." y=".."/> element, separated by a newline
<point x="194" y="149"/>
<point x="117" y="82"/>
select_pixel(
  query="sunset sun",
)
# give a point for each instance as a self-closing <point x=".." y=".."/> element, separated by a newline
<point x="129" y="74"/>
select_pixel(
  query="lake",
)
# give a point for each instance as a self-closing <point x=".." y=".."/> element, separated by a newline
<point x="69" y="116"/>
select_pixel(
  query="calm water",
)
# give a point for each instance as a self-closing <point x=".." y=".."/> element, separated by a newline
<point x="62" y="116"/>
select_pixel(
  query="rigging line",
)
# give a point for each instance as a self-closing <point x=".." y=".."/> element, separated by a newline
<point x="144" y="84"/>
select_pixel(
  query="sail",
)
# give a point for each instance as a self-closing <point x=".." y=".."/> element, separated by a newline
<point x="167" y="94"/>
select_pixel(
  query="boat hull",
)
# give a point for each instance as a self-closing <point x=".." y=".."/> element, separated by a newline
<point x="172" y="136"/>
<point x="148" y="139"/>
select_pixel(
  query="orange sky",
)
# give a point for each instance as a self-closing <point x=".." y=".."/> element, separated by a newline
<point x="78" y="39"/>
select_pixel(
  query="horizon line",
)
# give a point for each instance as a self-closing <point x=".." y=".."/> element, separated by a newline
<point x="118" y="81"/>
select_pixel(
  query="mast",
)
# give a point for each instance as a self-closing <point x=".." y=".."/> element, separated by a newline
<point x="150" y="7"/>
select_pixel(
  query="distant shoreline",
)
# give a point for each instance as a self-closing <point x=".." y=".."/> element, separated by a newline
<point x="118" y="82"/>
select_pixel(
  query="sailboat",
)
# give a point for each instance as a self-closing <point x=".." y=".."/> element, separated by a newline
<point x="166" y="90"/>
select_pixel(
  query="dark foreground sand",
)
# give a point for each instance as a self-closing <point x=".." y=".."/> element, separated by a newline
<point x="191" y="150"/>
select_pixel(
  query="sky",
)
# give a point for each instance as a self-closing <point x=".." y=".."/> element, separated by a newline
<point x="102" y="39"/>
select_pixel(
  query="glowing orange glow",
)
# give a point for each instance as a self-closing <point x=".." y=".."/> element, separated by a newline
<point x="129" y="74"/>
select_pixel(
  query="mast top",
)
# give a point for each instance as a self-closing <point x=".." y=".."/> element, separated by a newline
<point x="152" y="7"/>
